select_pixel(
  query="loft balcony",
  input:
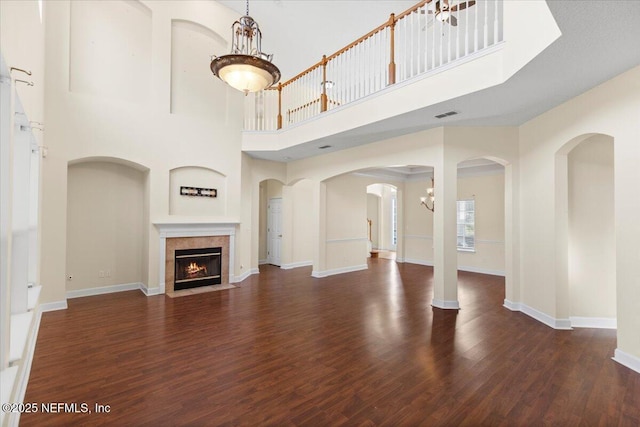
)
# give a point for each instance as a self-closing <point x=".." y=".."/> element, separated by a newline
<point x="371" y="88"/>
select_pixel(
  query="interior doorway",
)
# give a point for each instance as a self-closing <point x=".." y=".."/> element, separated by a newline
<point x="274" y="231"/>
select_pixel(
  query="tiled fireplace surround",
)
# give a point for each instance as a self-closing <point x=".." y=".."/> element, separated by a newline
<point x="194" y="235"/>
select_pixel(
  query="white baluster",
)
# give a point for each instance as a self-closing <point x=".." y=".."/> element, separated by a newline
<point x="496" y="32"/>
<point x="486" y="20"/>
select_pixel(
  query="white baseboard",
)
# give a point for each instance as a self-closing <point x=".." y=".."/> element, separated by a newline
<point x="263" y="261"/>
<point x="325" y="273"/>
<point x="626" y="359"/>
<point x="105" y="290"/>
<point x="445" y="305"/>
<point x="255" y="271"/>
<point x="53" y="306"/>
<point x="594" y="322"/>
<point x="513" y="306"/>
<point x="240" y="278"/>
<point x="296" y="265"/>
<point x="561" y="324"/>
<point x="151" y="291"/>
<point x="419" y="261"/>
<point x="481" y="270"/>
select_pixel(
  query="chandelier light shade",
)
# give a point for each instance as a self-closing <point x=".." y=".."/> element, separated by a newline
<point x="430" y="198"/>
<point x="246" y="68"/>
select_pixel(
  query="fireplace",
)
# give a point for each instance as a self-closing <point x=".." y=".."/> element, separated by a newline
<point x="185" y="236"/>
<point x="197" y="267"/>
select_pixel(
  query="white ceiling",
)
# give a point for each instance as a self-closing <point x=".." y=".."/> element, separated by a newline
<point x="600" y="39"/>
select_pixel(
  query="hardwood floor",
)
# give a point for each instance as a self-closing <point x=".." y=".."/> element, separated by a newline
<point x="363" y="348"/>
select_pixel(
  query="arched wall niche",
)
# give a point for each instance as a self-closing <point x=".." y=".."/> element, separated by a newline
<point x="120" y="31"/>
<point x="585" y="232"/>
<point x="194" y="89"/>
<point x="197" y="177"/>
<point x="107" y="224"/>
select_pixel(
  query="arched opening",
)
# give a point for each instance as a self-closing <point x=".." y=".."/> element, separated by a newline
<point x="107" y="225"/>
<point x="388" y="198"/>
<point x="482" y="218"/>
<point x="382" y="220"/>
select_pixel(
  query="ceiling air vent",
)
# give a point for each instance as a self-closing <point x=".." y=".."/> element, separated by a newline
<point x="324" y="147"/>
<point x="443" y="115"/>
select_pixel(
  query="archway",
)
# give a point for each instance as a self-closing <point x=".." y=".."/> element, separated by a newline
<point x="382" y="219"/>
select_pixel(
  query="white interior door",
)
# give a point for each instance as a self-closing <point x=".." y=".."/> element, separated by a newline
<point x="274" y="231"/>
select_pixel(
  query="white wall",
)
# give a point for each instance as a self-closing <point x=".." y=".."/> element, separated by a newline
<point x="105" y="225"/>
<point x="302" y="236"/>
<point x="132" y="126"/>
<point x="346" y="207"/>
<point x="418" y="230"/>
<point x="373" y="207"/>
<point x="193" y="205"/>
<point x="110" y="49"/>
<point x="609" y="109"/>
<point x="592" y="249"/>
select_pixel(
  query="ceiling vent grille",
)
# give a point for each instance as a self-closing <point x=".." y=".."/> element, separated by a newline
<point x="443" y="115"/>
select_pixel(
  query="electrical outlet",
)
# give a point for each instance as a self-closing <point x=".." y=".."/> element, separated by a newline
<point x="101" y="273"/>
<point x="108" y="273"/>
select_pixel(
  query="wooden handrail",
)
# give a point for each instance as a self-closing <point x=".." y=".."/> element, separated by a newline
<point x="310" y="103"/>
<point x="376" y="30"/>
<point x="324" y="100"/>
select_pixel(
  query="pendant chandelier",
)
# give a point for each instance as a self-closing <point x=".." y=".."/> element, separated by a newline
<point x="430" y="198"/>
<point x="246" y="68"/>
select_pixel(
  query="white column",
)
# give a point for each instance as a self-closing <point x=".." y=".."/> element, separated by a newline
<point x="511" y="236"/>
<point x="627" y="206"/>
<point x="445" y="265"/>
<point x="319" y="212"/>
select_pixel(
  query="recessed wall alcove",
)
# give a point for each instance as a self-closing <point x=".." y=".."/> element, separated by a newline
<point x="195" y="176"/>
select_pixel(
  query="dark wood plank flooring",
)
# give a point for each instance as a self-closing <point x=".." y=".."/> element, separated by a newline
<point x="362" y="348"/>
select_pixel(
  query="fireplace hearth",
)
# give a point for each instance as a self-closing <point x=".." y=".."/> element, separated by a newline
<point x="197" y="267"/>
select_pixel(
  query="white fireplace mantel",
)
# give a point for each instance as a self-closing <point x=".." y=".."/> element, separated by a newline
<point x="194" y="228"/>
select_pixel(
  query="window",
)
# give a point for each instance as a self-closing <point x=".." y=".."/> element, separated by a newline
<point x="466" y="216"/>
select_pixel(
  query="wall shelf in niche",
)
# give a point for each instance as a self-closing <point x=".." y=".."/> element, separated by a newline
<point x="198" y="192"/>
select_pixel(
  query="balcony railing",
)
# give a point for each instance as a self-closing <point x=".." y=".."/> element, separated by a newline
<point x="410" y="44"/>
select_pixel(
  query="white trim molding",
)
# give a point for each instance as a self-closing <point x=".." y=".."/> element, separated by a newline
<point x="332" y="272"/>
<point x="263" y="261"/>
<point x="552" y="322"/>
<point x="53" y="306"/>
<point x="244" y="275"/>
<point x="151" y="291"/>
<point x="78" y="293"/>
<point x="194" y="229"/>
<point x="445" y="305"/>
<point x="348" y="239"/>
<point x="296" y="265"/>
<point x="594" y="322"/>
<point x="626" y="359"/>
<point x="428" y="263"/>
<point x="481" y="270"/>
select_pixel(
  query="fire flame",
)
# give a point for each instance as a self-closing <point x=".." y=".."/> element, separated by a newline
<point x="194" y="268"/>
